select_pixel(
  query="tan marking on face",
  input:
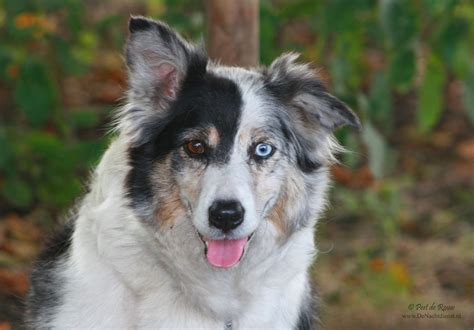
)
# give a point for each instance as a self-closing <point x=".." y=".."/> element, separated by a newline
<point x="278" y="216"/>
<point x="283" y="212"/>
<point x="170" y="206"/>
<point x="245" y="137"/>
<point x="213" y="136"/>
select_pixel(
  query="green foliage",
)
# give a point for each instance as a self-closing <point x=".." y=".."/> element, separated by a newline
<point x="381" y="205"/>
<point x="402" y="69"/>
<point x="35" y="93"/>
<point x="431" y="95"/>
<point x="43" y="169"/>
<point x="399" y="20"/>
<point x="385" y="51"/>
<point x="468" y="95"/>
<point x="380" y="101"/>
<point x="377" y="149"/>
<point x="41" y="156"/>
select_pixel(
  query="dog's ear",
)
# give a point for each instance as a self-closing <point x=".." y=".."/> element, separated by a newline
<point x="299" y="86"/>
<point x="312" y="113"/>
<point x="159" y="60"/>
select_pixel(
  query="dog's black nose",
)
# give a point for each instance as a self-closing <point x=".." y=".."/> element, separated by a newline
<point x="226" y="215"/>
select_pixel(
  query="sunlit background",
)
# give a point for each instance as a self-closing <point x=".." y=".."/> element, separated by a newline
<point x="400" y="229"/>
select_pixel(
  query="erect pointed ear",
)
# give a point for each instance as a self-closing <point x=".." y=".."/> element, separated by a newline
<point x="159" y="61"/>
<point x="299" y="86"/>
<point x="158" y="58"/>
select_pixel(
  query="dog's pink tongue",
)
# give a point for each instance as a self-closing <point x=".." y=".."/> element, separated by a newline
<point x="226" y="252"/>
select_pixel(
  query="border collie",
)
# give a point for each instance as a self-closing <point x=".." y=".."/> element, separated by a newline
<point x="201" y="213"/>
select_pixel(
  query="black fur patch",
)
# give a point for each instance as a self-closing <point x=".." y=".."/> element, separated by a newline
<point x="305" y="163"/>
<point x="204" y="101"/>
<point x="308" y="319"/>
<point x="161" y="30"/>
<point x="139" y="24"/>
<point x="45" y="291"/>
<point x="288" y="87"/>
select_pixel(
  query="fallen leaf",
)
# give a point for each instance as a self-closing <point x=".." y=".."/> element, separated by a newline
<point x="5" y="325"/>
<point x="341" y="174"/>
<point x="20" y="229"/>
<point x="13" y="282"/>
<point x="466" y="149"/>
<point x="377" y="264"/>
<point x="400" y="272"/>
<point x="360" y="178"/>
<point x="21" y="250"/>
<point x="25" y="20"/>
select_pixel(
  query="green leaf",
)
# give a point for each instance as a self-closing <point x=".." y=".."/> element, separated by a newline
<point x="5" y="60"/>
<point x="437" y="9"/>
<point x="399" y="21"/>
<point x="84" y="50"/>
<point x="468" y="95"/>
<point x="430" y="98"/>
<point x="85" y="118"/>
<point x="6" y="154"/>
<point x="65" y="57"/>
<point x="59" y="191"/>
<point x="339" y="16"/>
<point x="17" y="191"/>
<point x="377" y="148"/>
<point x="75" y="16"/>
<point x="449" y="37"/>
<point x="88" y="152"/>
<point x="380" y="100"/>
<point x="35" y="92"/>
<point x="14" y="7"/>
<point x="402" y="68"/>
<point x="269" y="27"/>
<point x="340" y="69"/>
<point x="461" y="58"/>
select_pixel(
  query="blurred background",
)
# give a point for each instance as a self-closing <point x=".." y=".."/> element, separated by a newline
<point x="400" y="229"/>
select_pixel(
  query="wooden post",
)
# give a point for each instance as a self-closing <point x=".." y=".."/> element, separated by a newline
<point x="233" y="33"/>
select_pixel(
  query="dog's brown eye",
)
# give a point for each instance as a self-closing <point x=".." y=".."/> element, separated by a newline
<point x="195" y="147"/>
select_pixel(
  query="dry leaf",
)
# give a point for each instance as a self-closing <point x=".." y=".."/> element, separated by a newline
<point x="5" y="325"/>
<point x="13" y="282"/>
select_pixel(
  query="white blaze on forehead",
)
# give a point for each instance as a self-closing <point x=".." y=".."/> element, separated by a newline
<point x="253" y="112"/>
<point x="253" y="109"/>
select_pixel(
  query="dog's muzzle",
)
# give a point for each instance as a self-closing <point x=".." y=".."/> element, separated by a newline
<point x="225" y="215"/>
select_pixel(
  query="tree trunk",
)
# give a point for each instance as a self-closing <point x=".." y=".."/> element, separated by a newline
<point x="233" y="32"/>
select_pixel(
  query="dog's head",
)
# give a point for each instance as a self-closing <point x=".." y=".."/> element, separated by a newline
<point x="225" y="154"/>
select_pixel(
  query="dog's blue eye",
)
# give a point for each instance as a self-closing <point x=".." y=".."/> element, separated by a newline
<point x="263" y="150"/>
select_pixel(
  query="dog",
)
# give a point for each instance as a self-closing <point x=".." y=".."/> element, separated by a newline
<point x="201" y="212"/>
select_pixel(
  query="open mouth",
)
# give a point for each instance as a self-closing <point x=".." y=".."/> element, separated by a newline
<point x="224" y="253"/>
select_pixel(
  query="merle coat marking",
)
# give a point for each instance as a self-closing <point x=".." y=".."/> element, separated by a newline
<point x="137" y="254"/>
